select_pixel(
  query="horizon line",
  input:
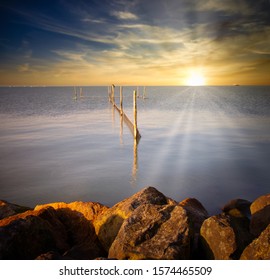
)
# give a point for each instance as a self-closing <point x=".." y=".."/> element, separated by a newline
<point x="133" y="85"/>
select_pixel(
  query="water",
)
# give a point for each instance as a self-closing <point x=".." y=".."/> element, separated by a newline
<point x="212" y="143"/>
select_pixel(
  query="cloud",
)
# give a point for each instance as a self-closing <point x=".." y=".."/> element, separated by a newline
<point x="24" y="67"/>
<point x="228" y="6"/>
<point x="124" y="15"/>
<point x="93" y="20"/>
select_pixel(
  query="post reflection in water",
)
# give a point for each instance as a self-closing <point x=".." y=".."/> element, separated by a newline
<point x="123" y="119"/>
<point x="135" y="162"/>
<point x="121" y="129"/>
<point x="113" y="116"/>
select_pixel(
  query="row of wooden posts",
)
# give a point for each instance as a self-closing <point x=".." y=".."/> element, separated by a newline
<point x="132" y="125"/>
<point x="76" y="93"/>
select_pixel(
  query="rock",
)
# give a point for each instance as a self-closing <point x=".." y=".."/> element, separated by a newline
<point x="147" y="225"/>
<point x="238" y="208"/>
<point x="196" y="214"/>
<point x="30" y="234"/>
<point x="194" y="206"/>
<point x="153" y="232"/>
<point x="108" y="224"/>
<point x="260" y="211"/>
<point x="260" y="203"/>
<point x="225" y="237"/>
<point x="8" y="209"/>
<point x="259" y="249"/>
<point x="90" y="210"/>
<point x="68" y="227"/>
<point x="78" y="218"/>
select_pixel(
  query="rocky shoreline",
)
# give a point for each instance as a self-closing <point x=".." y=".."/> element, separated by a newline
<point x="147" y="225"/>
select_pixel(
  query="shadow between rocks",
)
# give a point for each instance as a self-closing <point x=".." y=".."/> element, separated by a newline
<point x="109" y="230"/>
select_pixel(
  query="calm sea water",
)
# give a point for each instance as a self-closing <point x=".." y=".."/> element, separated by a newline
<point x="212" y="143"/>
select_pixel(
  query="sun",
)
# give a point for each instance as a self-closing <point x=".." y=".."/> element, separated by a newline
<point x="196" y="79"/>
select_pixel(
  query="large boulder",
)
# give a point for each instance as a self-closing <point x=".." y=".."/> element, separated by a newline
<point x="66" y="229"/>
<point x="8" y="209"/>
<point x="108" y="224"/>
<point x="260" y="211"/>
<point x="27" y="235"/>
<point x="153" y="232"/>
<point x="78" y="218"/>
<point x="259" y="249"/>
<point x="225" y="237"/>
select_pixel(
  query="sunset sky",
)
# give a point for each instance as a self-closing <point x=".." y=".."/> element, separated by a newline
<point x="140" y="42"/>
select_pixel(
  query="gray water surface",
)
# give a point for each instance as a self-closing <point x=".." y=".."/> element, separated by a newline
<point x="212" y="143"/>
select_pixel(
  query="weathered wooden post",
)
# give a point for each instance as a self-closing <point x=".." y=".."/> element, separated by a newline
<point x="81" y="93"/>
<point x="109" y="93"/>
<point x="135" y="114"/>
<point x="144" y="92"/>
<point x="113" y="100"/>
<point x="75" y="93"/>
<point x="121" y="100"/>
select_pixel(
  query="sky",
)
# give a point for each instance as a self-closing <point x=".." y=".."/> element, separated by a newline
<point x="140" y="42"/>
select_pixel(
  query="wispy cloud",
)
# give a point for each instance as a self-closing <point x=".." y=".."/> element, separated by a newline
<point x="229" y="6"/>
<point x="124" y="15"/>
<point x="91" y="20"/>
<point x="24" y="67"/>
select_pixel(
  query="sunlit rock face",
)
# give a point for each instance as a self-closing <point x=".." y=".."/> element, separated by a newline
<point x="108" y="224"/>
<point x="259" y="249"/>
<point x="260" y="211"/>
<point x="153" y="232"/>
<point x="79" y="218"/>
<point x="225" y="237"/>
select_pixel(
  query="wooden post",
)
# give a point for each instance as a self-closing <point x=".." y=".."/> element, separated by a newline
<point x="135" y="113"/>
<point x="81" y="93"/>
<point x="113" y="100"/>
<point x="75" y="93"/>
<point x="109" y="93"/>
<point x="121" y="100"/>
<point x="144" y="92"/>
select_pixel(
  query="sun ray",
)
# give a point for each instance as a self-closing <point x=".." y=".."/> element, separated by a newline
<point x="161" y="158"/>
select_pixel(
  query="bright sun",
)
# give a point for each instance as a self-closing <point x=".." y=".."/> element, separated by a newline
<point x="196" y="79"/>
